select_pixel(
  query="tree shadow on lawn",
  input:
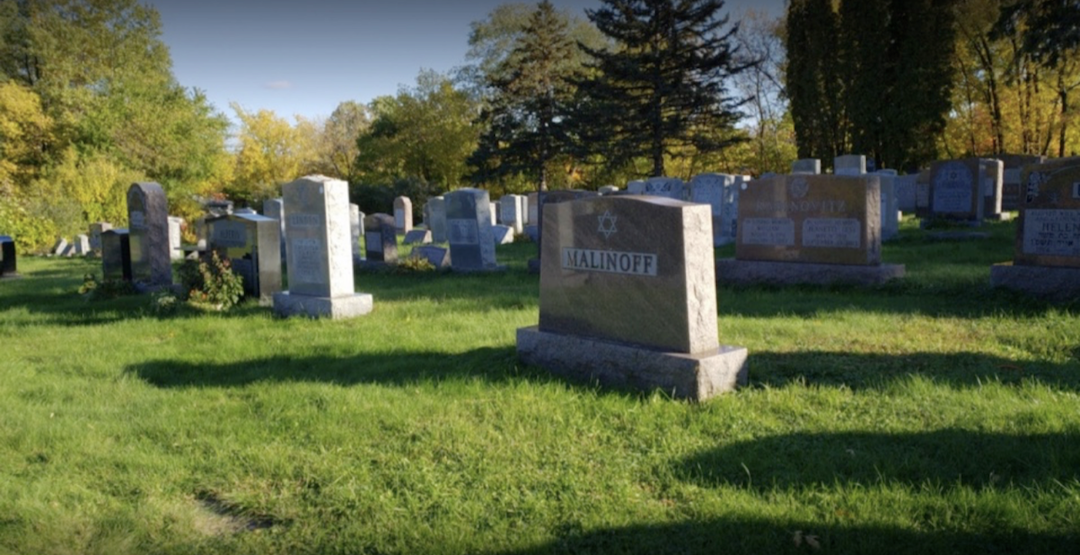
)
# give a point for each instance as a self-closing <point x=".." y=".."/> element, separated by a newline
<point x="761" y="536"/>
<point x="878" y="371"/>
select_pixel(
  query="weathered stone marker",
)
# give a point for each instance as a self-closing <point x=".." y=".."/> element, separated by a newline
<point x="720" y="192"/>
<point x="251" y="243"/>
<point x="468" y="229"/>
<point x="1047" y="259"/>
<point x="403" y="216"/>
<point x="320" y="264"/>
<point x="628" y="297"/>
<point x="956" y="190"/>
<point x="380" y="238"/>
<point x="148" y="233"/>
<point x="818" y="229"/>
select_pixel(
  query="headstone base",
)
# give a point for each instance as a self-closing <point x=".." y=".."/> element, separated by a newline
<point x="730" y="271"/>
<point x="693" y="377"/>
<point x="1048" y="282"/>
<point x="335" y="308"/>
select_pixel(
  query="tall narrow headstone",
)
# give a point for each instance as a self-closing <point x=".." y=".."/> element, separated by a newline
<point x="533" y="212"/>
<point x="82" y="245"/>
<point x="275" y="208"/>
<point x="1014" y="165"/>
<point x="175" y="226"/>
<point x="380" y="238"/>
<point x="356" y="231"/>
<point x="890" y="206"/>
<point x="719" y="192"/>
<point x="251" y="244"/>
<point x="116" y="254"/>
<point x="403" y="216"/>
<point x="1047" y="256"/>
<point x="511" y="213"/>
<point x="993" y="180"/>
<point x="148" y="233"/>
<point x="609" y="260"/>
<point x="468" y="226"/>
<point x="320" y="266"/>
<point x="9" y="267"/>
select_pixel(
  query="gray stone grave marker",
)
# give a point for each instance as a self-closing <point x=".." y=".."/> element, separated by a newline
<point x="82" y="245"/>
<point x="437" y="256"/>
<point x="607" y="262"/>
<point x="720" y="193"/>
<point x="96" y="229"/>
<point x="468" y="226"/>
<point x="275" y="208"/>
<point x="116" y="254"/>
<point x="403" y="216"/>
<point x="320" y="265"/>
<point x="417" y="237"/>
<point x="380" y="238"/>
<point x="849" y="164"/>
<point x="511" y="212"/>
<point x="251" y="243"/>
<point x="435" y="217"/>
<point x="669" y="187"/>
<point x="993" y="181"/>
<point x="956" y="190"/>
<point x="148" y="234"/>
<point x="806" y="166"/>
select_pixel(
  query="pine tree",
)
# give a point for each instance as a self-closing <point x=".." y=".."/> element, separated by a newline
<point x="813" y="80"/>
<point x="663" y="88"/>
<point x="525" y="127"/>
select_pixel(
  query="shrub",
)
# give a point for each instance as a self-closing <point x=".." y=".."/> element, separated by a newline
<point x="209" y="282"/>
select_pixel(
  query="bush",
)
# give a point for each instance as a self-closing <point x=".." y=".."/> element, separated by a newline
<point x="94" y="290"/>
<point x="209" y="282"/>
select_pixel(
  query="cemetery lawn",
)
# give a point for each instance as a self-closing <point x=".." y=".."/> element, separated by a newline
<point x="931" y="415"/>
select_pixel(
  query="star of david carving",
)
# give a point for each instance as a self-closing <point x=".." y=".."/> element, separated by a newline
<point x="607" y="224"/>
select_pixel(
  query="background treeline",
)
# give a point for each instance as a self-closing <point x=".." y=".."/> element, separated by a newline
<point x="546" y="98"/>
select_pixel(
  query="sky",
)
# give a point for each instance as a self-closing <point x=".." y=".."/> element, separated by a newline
<point x="304" y="57"/>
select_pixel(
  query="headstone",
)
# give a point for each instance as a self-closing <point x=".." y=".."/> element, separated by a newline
<point x="320" y="268"/>
<point x="251" y="244"/>
<point x="610" y="260"/>
<point x="403" y="216"/>
<point x="1014" y="165"/>
<point x="533" y="212"/>
<point x="417" y="237"/>
<point x="82" y="245"/>
<point x="956" y="190"/>
<point x="503" y="234"/>
<point x="438" y="256"/>
<point x="60" y="247"/>
<point x="890" y="205"/>
<point x="493" y="213"/>
<point x="511" y="212"/>
<point x="806" y="166"/>
<point x="552" y="197"/>
<point x="1047" y="259"/>
<point x="669" y="187"/>
<point x="245" y="210"/>
<point x="380" y="238"/>
<point x="9" y="267"/>
<point x="849" y="164"/>
<point x="608" y="190"/>
<point x="275" y="208"/>
<point x="356" y="231"/>
<point x="818" y="229"/>
<point x="904" y="187"/>
<point x="175" y="225"/>
<point x="468" y="226"/>
<point x="635" y="187"/>
<point x="720" y="193"/>
<point x="218" y="207"/>
<point x="922" y="194"/>
<point x="116" y="254"/>
<point x="148" y="234"/>
<point x="437" y="224"/>
<point x="96" y="229"/>
<point x="993" y="178"/>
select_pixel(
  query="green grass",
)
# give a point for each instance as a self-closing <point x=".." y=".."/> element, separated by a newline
<point x="931" y="415"/>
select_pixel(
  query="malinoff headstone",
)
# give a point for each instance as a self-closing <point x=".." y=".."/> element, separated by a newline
<point x="610" y="260"/>
<point x="468" y="227"/>
<point x="380" y="238"/>
<point x="403" y="216"/>
<point x="251" y="244"/>
<point x="320" y="265"/>
<point x="148" y="229"/>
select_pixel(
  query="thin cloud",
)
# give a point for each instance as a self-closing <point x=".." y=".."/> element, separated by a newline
<point x="278" y="85"/>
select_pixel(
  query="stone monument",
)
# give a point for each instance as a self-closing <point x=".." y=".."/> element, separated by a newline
<point x="116" y="254"/>
<point x="403" y="217"/>
<point x="720" y="192"/>
<point x="251" y="244"/>
<point x="9" y="267"/>
<point x="956" y="191"/>
<point x="148" y="234"/>
<point x="468" y="227"/>
<point x="320" y="266"/>
<point x="628" y="297"/>
<point x="380" y="238"/>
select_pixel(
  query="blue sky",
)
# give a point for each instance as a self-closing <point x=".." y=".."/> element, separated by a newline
<point x="305" y="57"/>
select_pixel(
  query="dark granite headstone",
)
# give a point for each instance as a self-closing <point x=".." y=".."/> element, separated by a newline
<point x="251" y="243"/>
<point x="148" y="229"/>
<point x="380" y="238"/>
<point x="8" y="263"/>
<point x="116" y="254"/>
<point x="956" y="190"/>
<point x="468" y="226"/>
<point x="628" y="295"/>
<point x="811" y="218"/>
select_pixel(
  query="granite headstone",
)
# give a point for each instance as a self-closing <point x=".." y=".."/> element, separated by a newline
<point x="148" y="234"/>
<point x="251" y="244"/>
<point x="468" y="226"/>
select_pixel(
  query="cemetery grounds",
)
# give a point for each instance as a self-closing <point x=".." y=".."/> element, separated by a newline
<point x="930" y="415"/>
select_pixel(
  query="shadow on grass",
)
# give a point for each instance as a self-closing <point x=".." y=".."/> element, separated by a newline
<point x="760" y="536"/>
<point x="861" y="370"/>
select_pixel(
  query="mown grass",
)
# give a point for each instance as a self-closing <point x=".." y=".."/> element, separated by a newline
<point x="932" y="415"/>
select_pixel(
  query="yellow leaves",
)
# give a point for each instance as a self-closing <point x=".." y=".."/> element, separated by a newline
<point x="271" y="152"/>
<point x="25" y="133"/>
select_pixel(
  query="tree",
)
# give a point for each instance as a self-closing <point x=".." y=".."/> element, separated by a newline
<point x="271" y="152"/>
<point x="525" y="122"/>
<point x="663" y="90"/>
<point x="336" y="148"/>
<point x="813" y="80"/>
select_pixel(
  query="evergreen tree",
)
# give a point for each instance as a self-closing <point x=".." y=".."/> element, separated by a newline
<point x="525" y="121"/>
<point x="813" y="80"/>
<point x="663" y="89"/>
